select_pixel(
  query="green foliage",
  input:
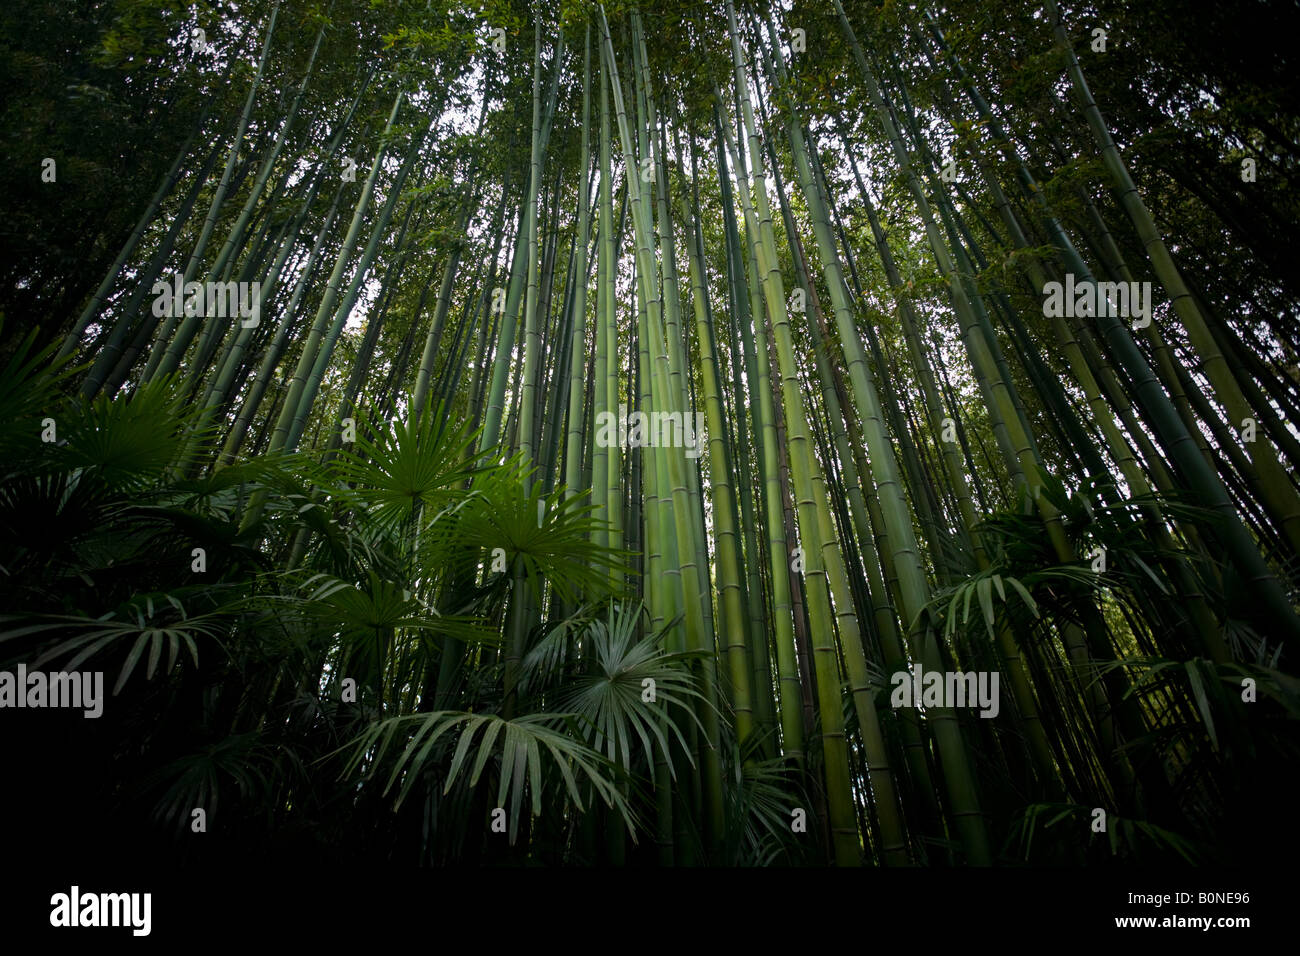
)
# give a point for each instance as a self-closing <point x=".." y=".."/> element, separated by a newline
<point x="113" y="492"/>
<point x="518" y="759"/>
<point x="1131" y="841"/>
<point x="545" y="536"/>
<point x="610" y="700"/>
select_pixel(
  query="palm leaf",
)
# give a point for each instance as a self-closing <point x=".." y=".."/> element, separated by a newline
<point x="520" y="753"/>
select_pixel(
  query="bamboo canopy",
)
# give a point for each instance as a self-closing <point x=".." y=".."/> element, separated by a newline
<point x="688" y="433"/>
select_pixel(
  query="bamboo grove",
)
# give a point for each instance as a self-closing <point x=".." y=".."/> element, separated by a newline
<point x="392" y="564"/>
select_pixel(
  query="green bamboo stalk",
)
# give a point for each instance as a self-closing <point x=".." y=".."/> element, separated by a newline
<point x="167" y="353"/>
